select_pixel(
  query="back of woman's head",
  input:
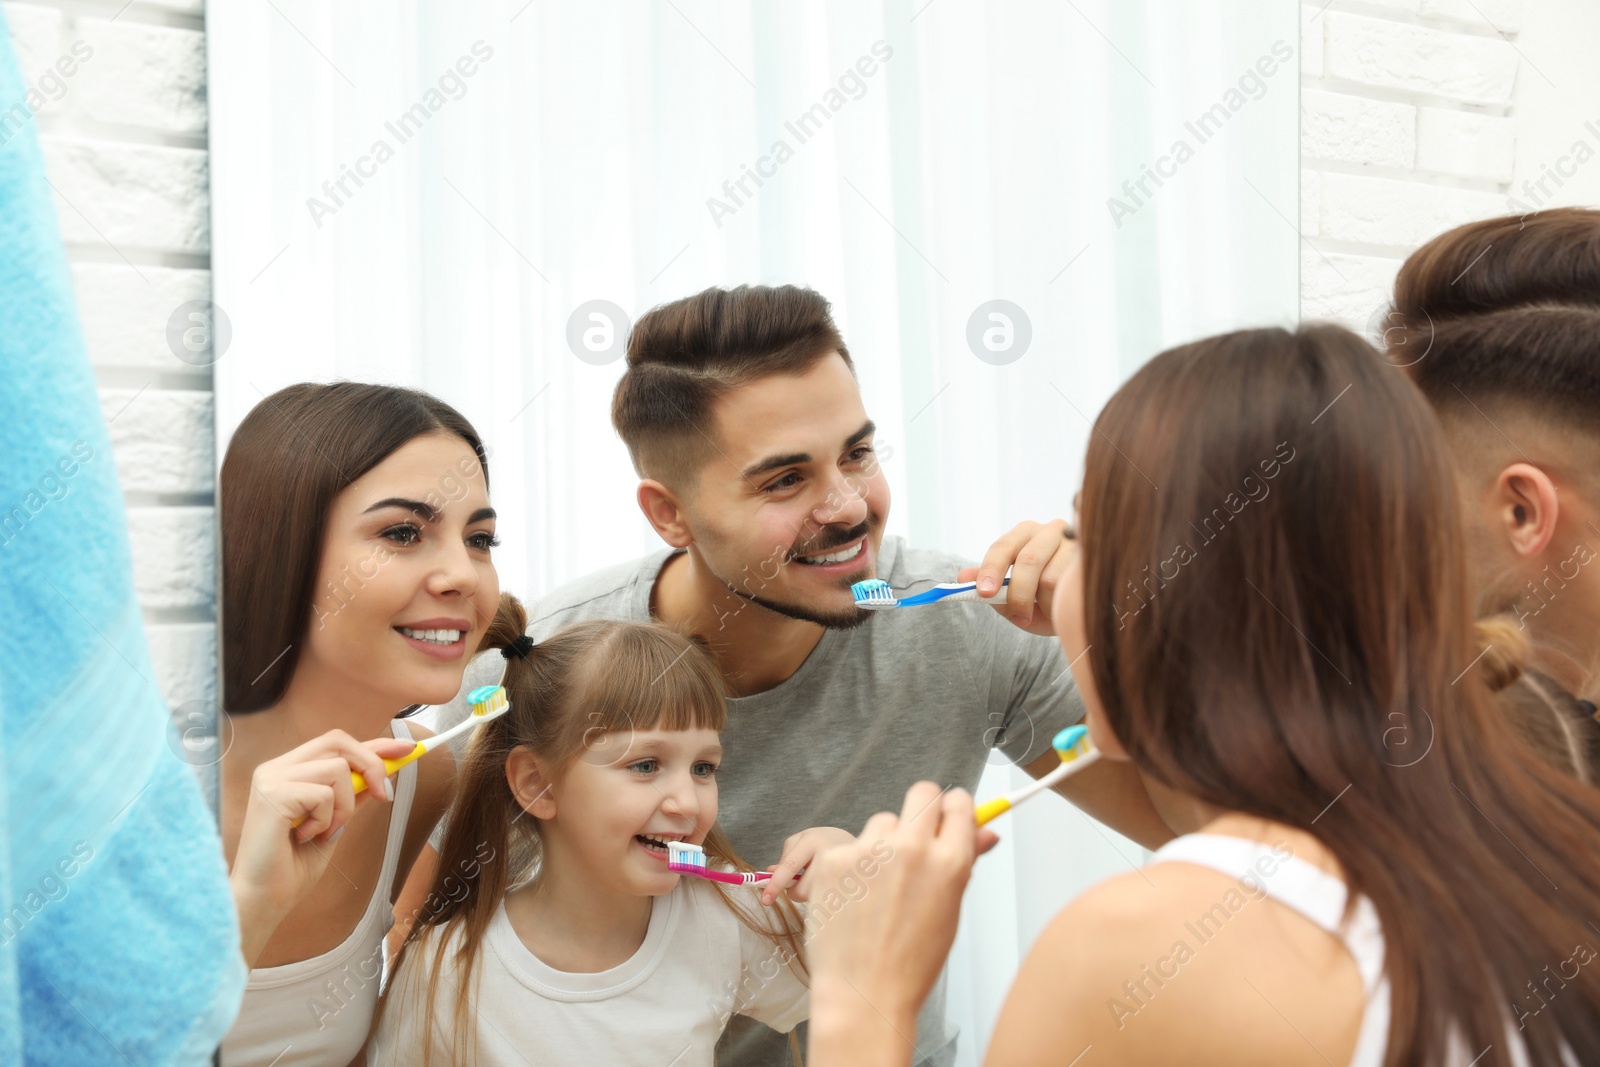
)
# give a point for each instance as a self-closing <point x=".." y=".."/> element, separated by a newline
<point x="1280" y="624"/>
<point x="1298" y="562"/>
<point x="293" y="453"/>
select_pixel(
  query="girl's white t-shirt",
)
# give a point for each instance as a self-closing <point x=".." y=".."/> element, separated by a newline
<point x="667" y="1004"/>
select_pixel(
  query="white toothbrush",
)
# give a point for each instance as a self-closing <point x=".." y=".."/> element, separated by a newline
<point x="877" y="593"/>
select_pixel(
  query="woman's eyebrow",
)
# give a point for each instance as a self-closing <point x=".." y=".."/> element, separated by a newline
<point x="481" y="515"/>
<point x="417" y="507"/>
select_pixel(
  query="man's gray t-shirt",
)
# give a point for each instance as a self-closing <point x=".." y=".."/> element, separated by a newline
<point x="912" y="694"/>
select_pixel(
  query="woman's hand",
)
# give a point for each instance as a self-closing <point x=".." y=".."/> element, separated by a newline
<point x="876" y="953"/>
<point x="277" y="863"/>
<point x="798" y="852"/>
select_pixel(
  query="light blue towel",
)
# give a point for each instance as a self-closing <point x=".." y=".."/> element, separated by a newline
<point x="118" y="939"/>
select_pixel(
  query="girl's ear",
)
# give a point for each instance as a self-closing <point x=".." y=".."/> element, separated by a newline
<point x="529" y="783"/>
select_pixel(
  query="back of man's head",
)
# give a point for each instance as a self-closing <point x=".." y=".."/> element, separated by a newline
<point x="1510" y="261"/>
<point x="1498" y="322"/>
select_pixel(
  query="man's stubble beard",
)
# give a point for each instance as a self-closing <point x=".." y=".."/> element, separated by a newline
<point x="842" y="619"/>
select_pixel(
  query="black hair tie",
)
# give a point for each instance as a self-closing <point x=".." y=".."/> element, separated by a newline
<point x="520" y="647"/>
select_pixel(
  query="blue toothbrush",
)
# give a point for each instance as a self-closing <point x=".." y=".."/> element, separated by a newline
<point x="877" y="593"/>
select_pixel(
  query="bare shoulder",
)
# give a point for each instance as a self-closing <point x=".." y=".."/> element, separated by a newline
<point x="1180" y="964"/>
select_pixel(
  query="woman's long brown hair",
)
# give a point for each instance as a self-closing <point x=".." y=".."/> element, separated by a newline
<point x="583" y="682"/>
<point x="1280" y="624"/>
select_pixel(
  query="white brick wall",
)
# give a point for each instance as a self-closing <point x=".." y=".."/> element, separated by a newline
<point x="1370" y="52"/>
<point x="1407" y="130"/>
<point x="124" y="136"/>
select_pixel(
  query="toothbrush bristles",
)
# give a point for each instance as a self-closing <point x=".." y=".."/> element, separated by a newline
<point x="487" y="699"/>
<point x="683" y="856"/>
<point x="873" y="592"/>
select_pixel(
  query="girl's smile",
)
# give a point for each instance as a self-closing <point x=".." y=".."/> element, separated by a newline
<point x="606" y="823"/>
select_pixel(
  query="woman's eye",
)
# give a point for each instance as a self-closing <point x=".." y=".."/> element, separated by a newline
<point x="404" y="534"/>
<point x="861" y="453"/>
<point x="705" y="769"/>
<point x="484" y="541"/>
<point x="644" y="766"/>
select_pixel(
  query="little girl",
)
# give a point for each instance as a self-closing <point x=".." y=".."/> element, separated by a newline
<point x="555" y="933"/>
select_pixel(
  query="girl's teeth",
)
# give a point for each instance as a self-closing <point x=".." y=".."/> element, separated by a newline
<point x="654" y="842"/>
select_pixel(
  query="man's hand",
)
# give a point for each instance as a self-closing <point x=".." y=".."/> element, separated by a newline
<point x="1037" y="554"/>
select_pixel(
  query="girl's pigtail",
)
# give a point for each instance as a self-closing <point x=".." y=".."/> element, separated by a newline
<point x="476" y="854"/>
<point x="1507" y="650"/>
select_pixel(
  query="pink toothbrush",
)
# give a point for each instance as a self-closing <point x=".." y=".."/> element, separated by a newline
<point x="685" y="858"/>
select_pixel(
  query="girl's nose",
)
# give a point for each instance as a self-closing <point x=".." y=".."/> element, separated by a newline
<point x="679" y="797"/>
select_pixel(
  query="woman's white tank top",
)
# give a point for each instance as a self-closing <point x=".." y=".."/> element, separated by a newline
<point x="1317" y="895"/>
<point x="1320" y="897"/>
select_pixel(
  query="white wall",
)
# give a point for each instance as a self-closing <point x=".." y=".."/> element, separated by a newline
<point x="125" y="149"/>
<point x="1420" y="115"/>
<point x="1557" y="106"/>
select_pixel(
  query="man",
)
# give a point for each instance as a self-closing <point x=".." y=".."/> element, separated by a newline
<point x="1498" y="322"/>
<point x="742" y="415"/>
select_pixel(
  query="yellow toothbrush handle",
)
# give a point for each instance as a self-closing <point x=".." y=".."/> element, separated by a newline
<point x="991" y="808"/>
<point x="389" y="767"/>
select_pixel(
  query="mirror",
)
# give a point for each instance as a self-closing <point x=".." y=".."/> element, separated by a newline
<point x="1009" y="207"/>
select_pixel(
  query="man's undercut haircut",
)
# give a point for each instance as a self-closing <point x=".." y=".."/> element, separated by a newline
<point x="684" y="355"/>
<point x="1544" y="361"/>
<point x="1505" y="310"/>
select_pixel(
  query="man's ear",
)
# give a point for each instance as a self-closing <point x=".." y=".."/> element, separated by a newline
<point x="666" y="513"/>
<point x="529" y="784"/>
<point x="1524" y="503"/>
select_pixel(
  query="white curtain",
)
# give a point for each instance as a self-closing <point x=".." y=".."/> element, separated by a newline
<point x="426" y="194"/>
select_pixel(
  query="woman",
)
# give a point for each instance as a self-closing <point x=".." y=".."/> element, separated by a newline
<point x="356" y="539"/>
<point x="1374" y="868"/>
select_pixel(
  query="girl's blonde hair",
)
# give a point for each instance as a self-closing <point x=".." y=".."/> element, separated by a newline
<point x="586" y="680"/>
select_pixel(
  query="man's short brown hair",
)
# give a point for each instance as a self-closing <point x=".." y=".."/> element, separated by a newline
<point x="1505" y="310"/>
<point x="682" y="356"/>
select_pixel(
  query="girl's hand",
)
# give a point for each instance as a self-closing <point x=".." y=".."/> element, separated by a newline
<point x="874" y="957"/>
<point x="277" y="863"/>
<point x="798" y="852"/>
